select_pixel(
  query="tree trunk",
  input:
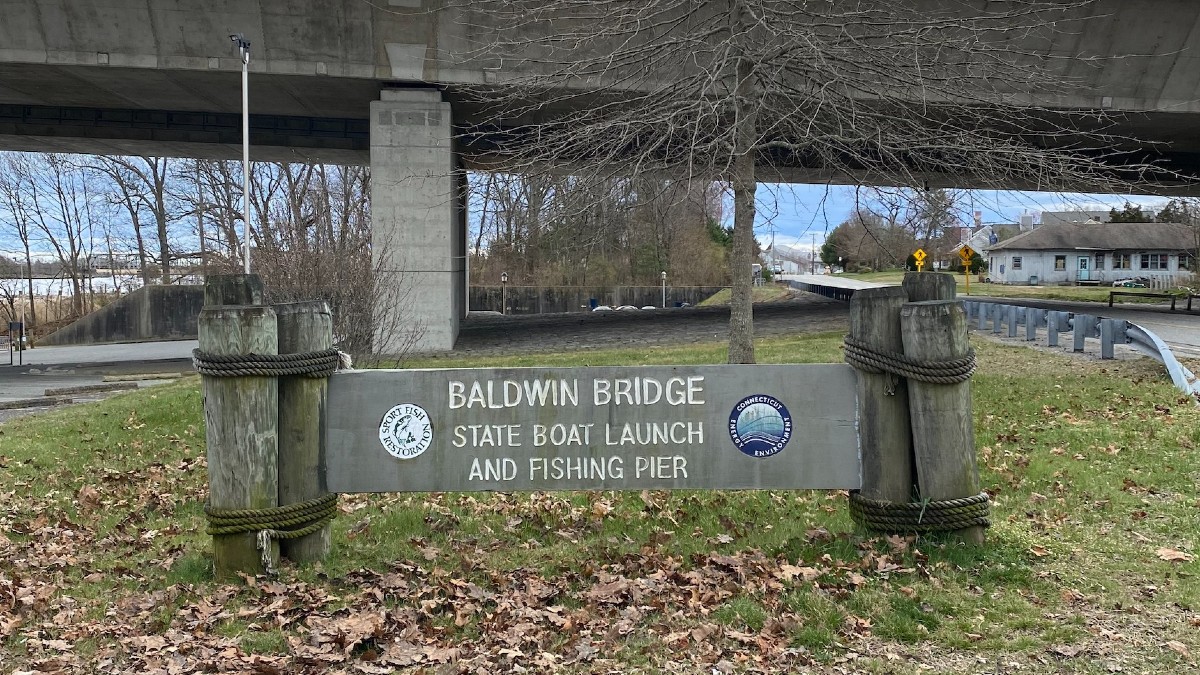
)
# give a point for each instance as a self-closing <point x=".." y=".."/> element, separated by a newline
<point x="741" y="303"/>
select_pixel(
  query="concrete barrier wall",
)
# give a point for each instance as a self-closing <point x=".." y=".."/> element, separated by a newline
<point x="150" y="313"/>
<point x="552" y="299"/>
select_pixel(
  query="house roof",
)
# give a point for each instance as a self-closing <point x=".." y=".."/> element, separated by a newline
<point x="1103" y="237"/>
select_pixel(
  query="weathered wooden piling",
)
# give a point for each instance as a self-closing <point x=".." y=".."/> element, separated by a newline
<point x="942" y="426"/>
<point x="241" y="414"/>
<point x="883" y="397"/>
<point x="303" y="327"/>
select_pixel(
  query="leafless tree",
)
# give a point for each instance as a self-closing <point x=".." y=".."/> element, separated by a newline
<point x="57" y="201"/>
<point x="873" y="91"/>
<point x="15" y="218"/>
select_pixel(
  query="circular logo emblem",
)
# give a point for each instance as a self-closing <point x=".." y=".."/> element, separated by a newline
<point x="760" y="425"/>
<point x="405" y="431"/>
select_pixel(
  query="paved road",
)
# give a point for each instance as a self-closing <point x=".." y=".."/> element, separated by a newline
<point x="53" y="367"/>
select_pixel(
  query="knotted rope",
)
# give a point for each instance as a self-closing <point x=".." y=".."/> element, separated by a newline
<point x="317" y="364"/>
<point x="279" y="522"/>
<point x="870" y="360"/>
<point x="929" y="516"/>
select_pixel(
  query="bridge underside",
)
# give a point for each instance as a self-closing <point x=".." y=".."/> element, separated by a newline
<point x="405" y="133"/>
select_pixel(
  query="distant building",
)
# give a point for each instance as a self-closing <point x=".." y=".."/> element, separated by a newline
<point x="1060" y="217"/>
<point x="1095" y="253"/>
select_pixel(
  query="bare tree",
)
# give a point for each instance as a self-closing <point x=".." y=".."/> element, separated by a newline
<point x="887" y="92"/>
<point x="56" y="200"/>
<point x="16" y="219"/>
<point x="142" y="186"/>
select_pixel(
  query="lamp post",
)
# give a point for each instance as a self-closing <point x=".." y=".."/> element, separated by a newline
<point x="664" y="289"/>
<point x="243" y="46"/>
<point x="504" y="292"/>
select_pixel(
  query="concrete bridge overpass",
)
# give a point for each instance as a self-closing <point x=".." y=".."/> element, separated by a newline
<point x="379" y="83"/>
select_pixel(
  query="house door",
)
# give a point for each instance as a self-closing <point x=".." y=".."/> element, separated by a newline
<point x="1084" y="262"/>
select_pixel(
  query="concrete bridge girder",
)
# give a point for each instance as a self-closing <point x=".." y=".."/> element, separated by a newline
<point x="74" y="77"/>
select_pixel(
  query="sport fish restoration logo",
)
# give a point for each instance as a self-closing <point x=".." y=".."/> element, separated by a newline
<point x="760" y="425"/>
<point x="406" y="431"/>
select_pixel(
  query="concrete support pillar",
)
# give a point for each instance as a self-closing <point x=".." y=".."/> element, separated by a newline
<point x="418" y="218"/>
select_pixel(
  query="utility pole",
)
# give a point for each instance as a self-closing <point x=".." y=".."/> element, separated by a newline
<point x="812" y="258"/>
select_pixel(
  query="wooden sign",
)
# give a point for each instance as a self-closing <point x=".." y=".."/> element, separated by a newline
<point x="606" y="428"/>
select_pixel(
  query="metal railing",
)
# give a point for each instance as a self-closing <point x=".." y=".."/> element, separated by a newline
<point x="1010" y="319"/>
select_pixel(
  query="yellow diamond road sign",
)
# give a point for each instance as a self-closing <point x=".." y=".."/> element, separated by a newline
<point x="920" y="255"/>
<point x="966" y="253"/>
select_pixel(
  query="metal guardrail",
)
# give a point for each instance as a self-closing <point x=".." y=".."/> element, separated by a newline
<point x="1008" y="319"/>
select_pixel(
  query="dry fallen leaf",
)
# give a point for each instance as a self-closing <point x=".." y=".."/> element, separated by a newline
<point x="1179" y="648"/>
<point x="1172" y="555"/>
<point x="1039" y="551"/>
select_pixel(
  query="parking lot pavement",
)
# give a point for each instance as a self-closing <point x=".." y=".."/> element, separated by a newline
<point x="42" y="368"/>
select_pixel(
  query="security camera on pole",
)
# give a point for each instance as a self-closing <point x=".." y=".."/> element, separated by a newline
<point x="243" y="46"/>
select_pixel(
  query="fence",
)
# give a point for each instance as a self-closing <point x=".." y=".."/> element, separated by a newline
<point x="1010" y="319"/>
<point x="1017" y="321"/>
<point x="513" y="299"/>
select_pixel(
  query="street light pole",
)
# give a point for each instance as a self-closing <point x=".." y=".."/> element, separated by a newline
<point x="504" y="292"/>
<point x="244" y="51"/>
<point x="664" y="289"/>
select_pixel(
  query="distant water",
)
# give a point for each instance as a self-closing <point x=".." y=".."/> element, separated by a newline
<point x="53" y="287"/>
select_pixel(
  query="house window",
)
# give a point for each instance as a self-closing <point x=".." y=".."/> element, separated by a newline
<point x="1060" y="262"/>
<point x="1016" y="262"/>
<point x="1187" y="262"/>
<point x="1122" y="261"/>
<point x="1099" y="261"/>
<point x="1154" y="261"/>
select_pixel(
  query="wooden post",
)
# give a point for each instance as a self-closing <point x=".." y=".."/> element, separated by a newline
<point x="929" y="286"/>
<point x="943" y="430"/>
<point x="883" y="416"/>
<point x="233" y="289"/>
<point x="303" y="327"/>
<point x="241" y="415"/>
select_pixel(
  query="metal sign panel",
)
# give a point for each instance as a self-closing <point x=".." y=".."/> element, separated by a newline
<point x="605" y="428"/>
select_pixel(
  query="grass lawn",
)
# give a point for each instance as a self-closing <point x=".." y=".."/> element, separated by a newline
<point x="1090" y="566"/>
<point x="767" y="293"/>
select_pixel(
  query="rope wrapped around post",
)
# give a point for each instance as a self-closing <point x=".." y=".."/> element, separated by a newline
<point x="307" y="364"/>
<point x="863" y="357"/>
<point x="926" y="516"/>
<point x="923" y="517"/>
<point x="281" y="522"/>
<point x="291" y="521"/>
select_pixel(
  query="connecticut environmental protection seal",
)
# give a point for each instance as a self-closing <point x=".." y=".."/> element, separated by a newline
<point x="406" y="431"/>
<point x="760" y="425"/>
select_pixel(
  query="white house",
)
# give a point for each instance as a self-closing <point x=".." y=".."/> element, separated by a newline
<point x="1096" y="253"/>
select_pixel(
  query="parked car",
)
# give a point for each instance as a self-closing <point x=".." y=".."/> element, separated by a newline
<point x="1135" y="282"/>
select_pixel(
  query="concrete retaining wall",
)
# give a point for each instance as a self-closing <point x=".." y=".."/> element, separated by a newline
<point x="551" y="299"/>
<point x="150" y="313"/>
